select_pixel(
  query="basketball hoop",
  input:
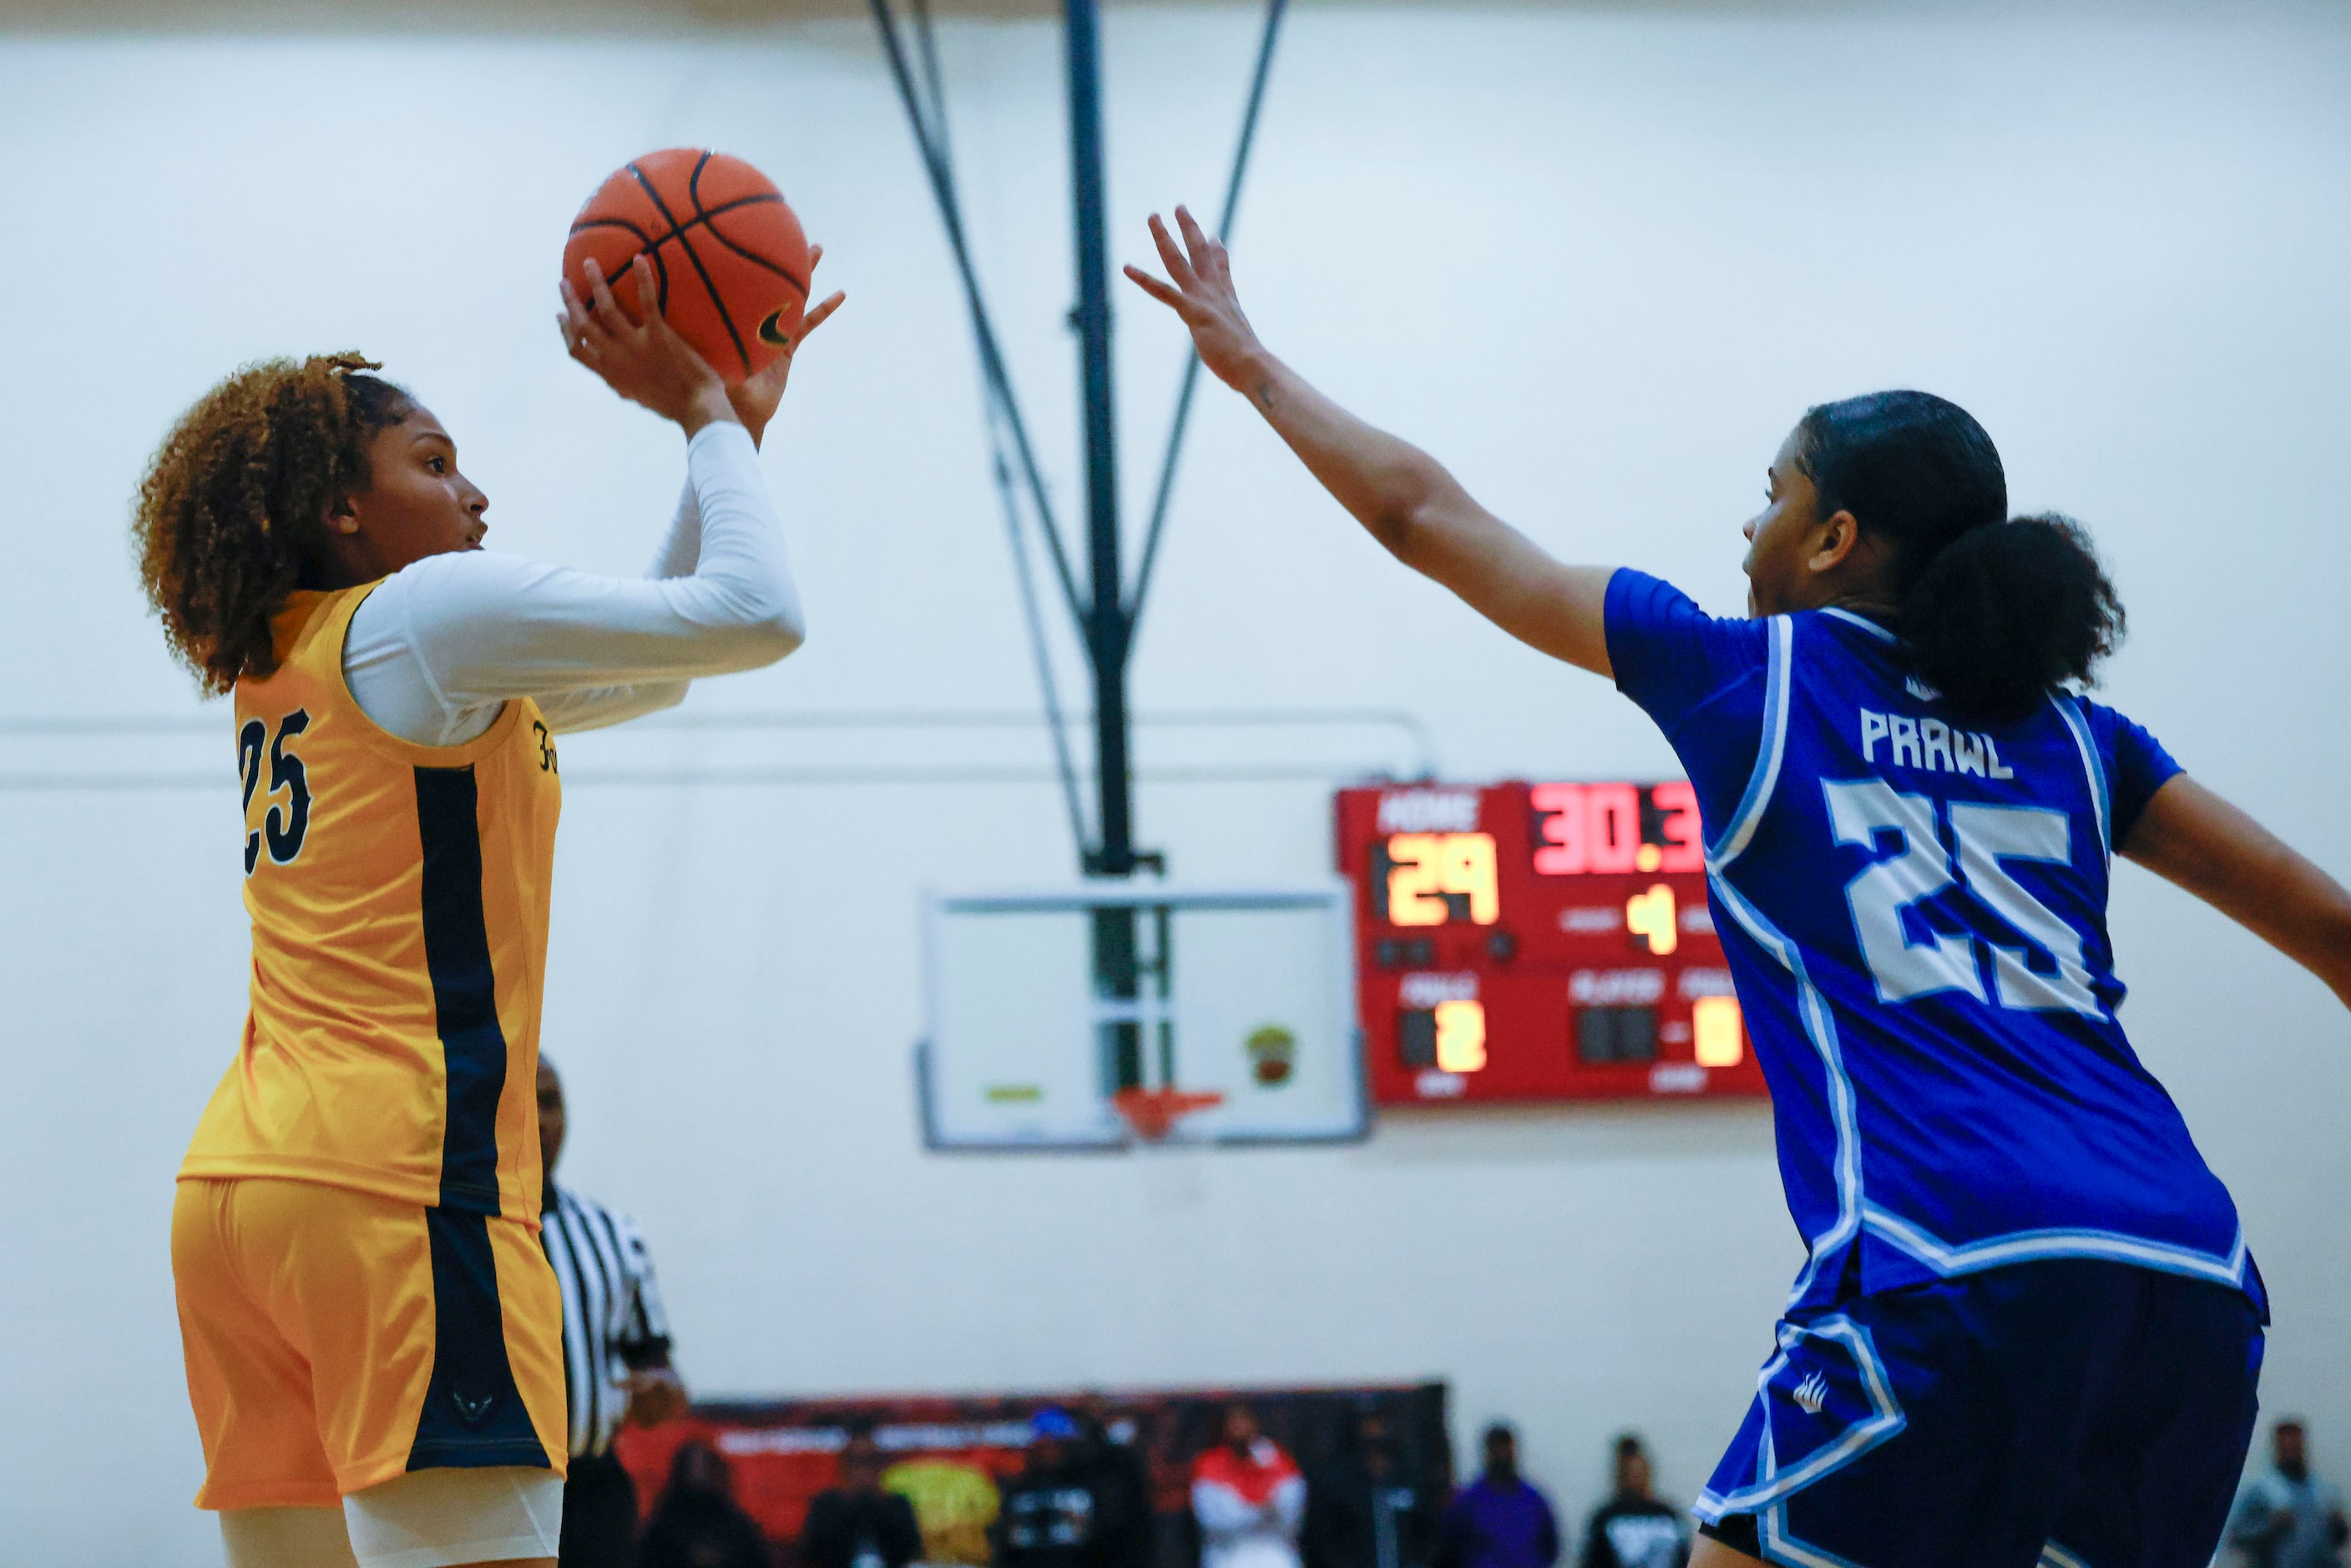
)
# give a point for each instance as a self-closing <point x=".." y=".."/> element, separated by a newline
<point x="1154" y="1112"/>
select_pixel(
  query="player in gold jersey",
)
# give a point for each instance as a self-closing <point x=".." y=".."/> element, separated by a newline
<point x="373" y="1336"/>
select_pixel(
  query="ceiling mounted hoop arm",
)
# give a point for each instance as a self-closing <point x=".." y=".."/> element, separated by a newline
<point x="926" y="115"/>
<point x="926" y="43"/>
<point x="935" y="165"/>
<point x="1181" y="421"/>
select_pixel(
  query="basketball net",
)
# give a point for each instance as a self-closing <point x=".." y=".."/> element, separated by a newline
<point x="1154" y="1112"/>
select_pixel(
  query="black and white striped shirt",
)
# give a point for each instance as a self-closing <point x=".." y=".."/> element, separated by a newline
<point x="612" y="1318"/>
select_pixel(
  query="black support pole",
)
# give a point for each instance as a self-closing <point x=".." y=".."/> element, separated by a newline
<point x="1106" y="613"/>
<point x="1107" y="628"/>
<point x="1117" y="958"/>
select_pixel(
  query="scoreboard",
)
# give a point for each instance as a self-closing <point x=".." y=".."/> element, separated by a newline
<point x="1538" y="942"/>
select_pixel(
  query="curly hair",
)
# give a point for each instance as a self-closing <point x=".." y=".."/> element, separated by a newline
<point x="230" y="517"/>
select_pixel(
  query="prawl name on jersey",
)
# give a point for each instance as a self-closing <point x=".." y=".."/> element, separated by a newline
<point x="1931" y="745"/>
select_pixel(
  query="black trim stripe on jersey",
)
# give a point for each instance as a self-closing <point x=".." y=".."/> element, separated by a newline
<point x="686" y="246"/>
<point x="474" y="1414"/>
<point x="465" y="986"/>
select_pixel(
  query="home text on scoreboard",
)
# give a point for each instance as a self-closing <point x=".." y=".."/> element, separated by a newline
<point x="1538" y="942"/>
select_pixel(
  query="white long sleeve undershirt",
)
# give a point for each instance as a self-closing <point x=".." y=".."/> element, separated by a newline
<point x="435" y="652"/>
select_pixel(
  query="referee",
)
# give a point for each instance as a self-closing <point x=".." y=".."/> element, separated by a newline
<point x="615" y="1350"/>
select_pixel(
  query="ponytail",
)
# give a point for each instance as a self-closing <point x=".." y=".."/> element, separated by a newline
<point x="2005" y="614"/>
<point x="1995" y="615"/>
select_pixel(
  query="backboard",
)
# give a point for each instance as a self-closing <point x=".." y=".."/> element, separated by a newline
<point x="1043" y="1005"/>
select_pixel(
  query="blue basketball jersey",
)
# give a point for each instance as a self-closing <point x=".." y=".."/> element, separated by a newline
<point x="1913" y="907"/>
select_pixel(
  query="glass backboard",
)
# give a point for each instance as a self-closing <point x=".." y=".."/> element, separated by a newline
<point x="1043" y="1005"/>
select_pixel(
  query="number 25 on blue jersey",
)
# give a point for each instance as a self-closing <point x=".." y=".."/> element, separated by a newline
<point x="1987" y="837"/>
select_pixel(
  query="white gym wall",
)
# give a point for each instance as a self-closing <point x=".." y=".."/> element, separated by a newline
<point x="1597" y="257"/>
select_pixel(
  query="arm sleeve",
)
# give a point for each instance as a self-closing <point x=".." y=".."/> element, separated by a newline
<point x="1670" y="656"/>
<point x="2137" y="767"/>
<point x="1547" y="1547"/>
<point x="594" y="707"/>
<point x="481" y="627"/>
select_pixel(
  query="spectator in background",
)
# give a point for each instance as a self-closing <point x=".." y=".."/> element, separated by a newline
<point x="1248" y="1497"/>
<point x="1125" y="1524"/>
<point x="1498" y="1520"/>
<point x="956" y="1504"/>
<point x="697" y="1524"/>
<point x="1633" y="1529"/>
<point x="856" y="1524"/>
<point x="1362" y="1510"/>
<point x="2289" y="1518"/>
<point x="1050" y="1517"/>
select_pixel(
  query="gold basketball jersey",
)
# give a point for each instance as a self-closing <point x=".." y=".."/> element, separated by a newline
<point x="399" y="901"/>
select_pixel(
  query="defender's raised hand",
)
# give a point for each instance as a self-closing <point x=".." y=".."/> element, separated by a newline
<point x="1200" y="290"/>
<point x="1399" y="493"/>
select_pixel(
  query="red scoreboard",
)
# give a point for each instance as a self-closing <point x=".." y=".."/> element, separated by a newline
<point x="1538" y="942"/>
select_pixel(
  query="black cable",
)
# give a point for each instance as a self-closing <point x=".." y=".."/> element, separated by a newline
<point x="1062" y="763"/>
<point x="1181" y="421"/>
<point x="926" y="40"/>
<point x="927" y="116"/>
<point x="935" y="133"/>
<point x="991" y="358"/>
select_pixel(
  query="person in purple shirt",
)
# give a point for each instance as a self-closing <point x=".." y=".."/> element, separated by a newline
<point x="1498" y="1520"/>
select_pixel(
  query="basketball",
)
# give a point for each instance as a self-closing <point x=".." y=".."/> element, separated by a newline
<point x="730" y="263"/>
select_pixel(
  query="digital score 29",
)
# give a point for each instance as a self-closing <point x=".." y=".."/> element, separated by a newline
<point x="1543" y="941"/>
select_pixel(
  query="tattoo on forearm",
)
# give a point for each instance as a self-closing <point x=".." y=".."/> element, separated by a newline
<point x="1261" y="394"/>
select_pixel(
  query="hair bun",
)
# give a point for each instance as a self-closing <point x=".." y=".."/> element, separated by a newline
<point x="2008" y="612"/>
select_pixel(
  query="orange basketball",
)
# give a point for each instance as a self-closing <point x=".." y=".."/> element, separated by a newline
<point x="730" y="264"/>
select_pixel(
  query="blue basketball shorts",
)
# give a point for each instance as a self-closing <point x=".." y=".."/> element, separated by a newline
<point x="2068" y="1412"/>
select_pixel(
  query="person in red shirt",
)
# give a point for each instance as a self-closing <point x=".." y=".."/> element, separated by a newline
<point x="1248" y="1498"/>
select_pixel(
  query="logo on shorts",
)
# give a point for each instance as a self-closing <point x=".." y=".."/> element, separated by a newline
<point x="1812" y="1393"/>
<point x="471" y="1411"/>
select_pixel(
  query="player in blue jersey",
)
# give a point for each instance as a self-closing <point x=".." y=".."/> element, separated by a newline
<point x="2027" y="1330"/>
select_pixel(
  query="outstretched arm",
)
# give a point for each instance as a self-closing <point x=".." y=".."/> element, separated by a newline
<point x="1402" y="495"/>
<point x="2191" y="836"/>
